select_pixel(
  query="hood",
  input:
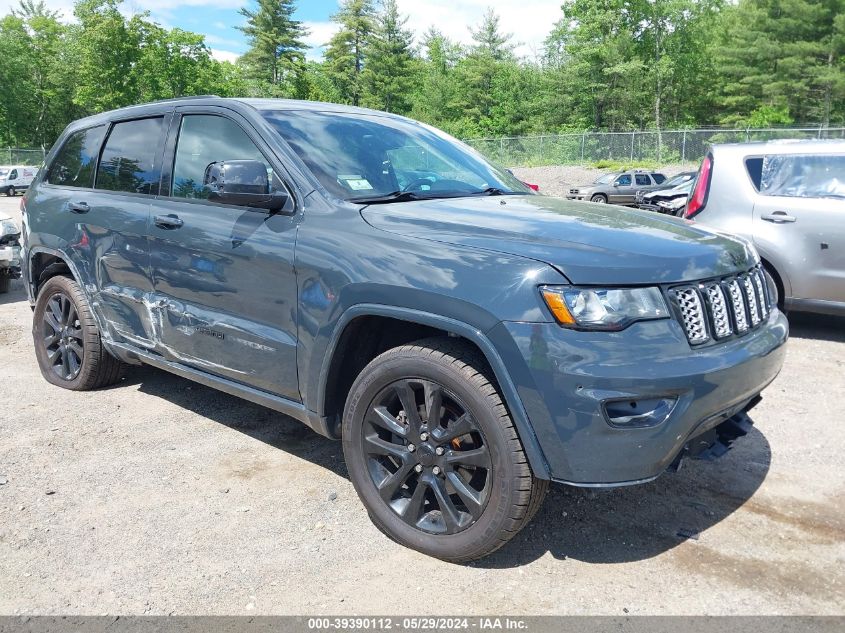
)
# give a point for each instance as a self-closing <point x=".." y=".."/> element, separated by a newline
<point x="589" y="243"/>
<point x="680" y="190"/>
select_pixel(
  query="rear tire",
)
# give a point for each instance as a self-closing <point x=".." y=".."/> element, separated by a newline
<point x="465" y="488"/>
<point x="5" y="283"/>
<point x="599" y="198"/>
<point x="67" y="340"/>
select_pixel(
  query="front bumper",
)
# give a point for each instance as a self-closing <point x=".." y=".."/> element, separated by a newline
<point x="565" y="378"/>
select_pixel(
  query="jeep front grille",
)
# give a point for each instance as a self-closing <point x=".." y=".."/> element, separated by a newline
<point x="718" y="309"/>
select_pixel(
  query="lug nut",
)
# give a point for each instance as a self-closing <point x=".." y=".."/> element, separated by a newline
<point x="412" y="448"/>
<point x="418" y="468"/>
<point x="436" y="470"/>
<point x="423" y="436"/>
<point x="440" y="450"/>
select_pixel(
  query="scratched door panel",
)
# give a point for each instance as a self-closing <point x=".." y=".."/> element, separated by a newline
<point x="225" y="287"/>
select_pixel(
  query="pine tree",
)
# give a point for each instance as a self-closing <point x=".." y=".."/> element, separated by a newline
<point x="784" y="59"/>
<point x="388" y="74"/>
<point x="277" y="52"/>
<point x="344" y="56"/>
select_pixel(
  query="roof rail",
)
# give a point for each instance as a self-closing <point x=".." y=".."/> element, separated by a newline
<point x="182" y="99"/>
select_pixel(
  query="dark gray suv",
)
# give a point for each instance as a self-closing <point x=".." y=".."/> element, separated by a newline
<point x="468" y="340"/>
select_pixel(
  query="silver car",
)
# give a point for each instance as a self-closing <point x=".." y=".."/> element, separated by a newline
<point x="788" y="197"/>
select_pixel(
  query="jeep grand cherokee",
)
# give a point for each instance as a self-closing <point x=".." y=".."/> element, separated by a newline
<point x="468" y="340"/>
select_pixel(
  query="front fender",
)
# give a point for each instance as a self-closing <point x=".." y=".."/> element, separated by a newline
<point x="536" y="459"/>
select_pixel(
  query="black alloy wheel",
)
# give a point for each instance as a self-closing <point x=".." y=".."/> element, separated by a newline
<point x="427" y="456"/>
<point x="62" y="337"/>
<point x="433" y="452"/>
<point x="67" y="339"/>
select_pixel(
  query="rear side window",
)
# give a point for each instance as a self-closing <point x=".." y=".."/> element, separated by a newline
<point x="658" y="178"/>
<point x="754" y="167"/>
<point x="75" y="162"/>
<point x="205" y="139"/>
<point x="803" y="176"/>
<point x="642" y="179"/>
<point x="128" y="160"/>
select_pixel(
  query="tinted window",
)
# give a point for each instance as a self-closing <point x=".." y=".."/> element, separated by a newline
<point x="624" y="180"/>
<point x="128" y="159"/>
<point x="754" y="166"/>
<point x="360" y="156"/>
<point x="13" y="175"/>
<point x="205" y="139"/>
<point x="74" y="164"/>
<point x="803" y="176"/>
<point x="658" y="178"/>
<point x="642" y="179"/>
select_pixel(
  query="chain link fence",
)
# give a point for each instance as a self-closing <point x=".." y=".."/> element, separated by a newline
<point x="16" y="156"/>
<point x="664" y="147"/>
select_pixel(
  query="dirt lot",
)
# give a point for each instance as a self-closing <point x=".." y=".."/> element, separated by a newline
<point x="160" y="496"/>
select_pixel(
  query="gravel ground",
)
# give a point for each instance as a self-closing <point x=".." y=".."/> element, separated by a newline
<point x="160" y="496"/>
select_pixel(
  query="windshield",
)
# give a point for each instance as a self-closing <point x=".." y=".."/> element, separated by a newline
<point x="606" y="179"/>
<point x="361" y="157"/>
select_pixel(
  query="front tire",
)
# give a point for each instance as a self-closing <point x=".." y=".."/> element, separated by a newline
<point x="599" y="198"/>
<point x="433" y="453"/>
<point x="67" y="340"/>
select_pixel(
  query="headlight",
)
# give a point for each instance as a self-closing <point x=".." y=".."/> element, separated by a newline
<point x="8" y="227"/>
<point x="603" y="308"/>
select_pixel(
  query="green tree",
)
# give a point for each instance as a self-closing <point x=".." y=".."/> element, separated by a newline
<point x="388" y="75"/>
<point x="783" y="55"/>
<point x="476" y="74"/>
<point x="344" y="56"/>
<point x="277" y="53"/>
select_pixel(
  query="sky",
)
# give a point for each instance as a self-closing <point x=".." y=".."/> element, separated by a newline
<point x="530" y="21"/>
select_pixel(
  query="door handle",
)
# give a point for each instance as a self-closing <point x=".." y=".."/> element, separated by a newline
<point x="778" y="217"/>
<point x="78" y="207"/>
<point x="169" y="221"/>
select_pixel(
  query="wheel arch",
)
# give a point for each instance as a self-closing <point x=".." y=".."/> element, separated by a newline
<point x="44" y="263"/>
<point x="346" y="355"/>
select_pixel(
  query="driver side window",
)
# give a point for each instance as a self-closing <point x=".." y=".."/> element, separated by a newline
<point x="205" y="139"/>
<point x="623" y="181"/>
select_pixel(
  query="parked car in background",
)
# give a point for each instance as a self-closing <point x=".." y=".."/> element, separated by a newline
<point x="466" y="339"/>
<point x="618" y="188"/>
<point x="669" y="201"/>
<point x="16" y="178"/>
<point x="788" y="197"/>
<point x="10" y="251"/>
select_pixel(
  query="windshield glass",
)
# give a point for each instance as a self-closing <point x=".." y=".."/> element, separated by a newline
<point x="606" y="179"/>
<point x="358" y="157"/>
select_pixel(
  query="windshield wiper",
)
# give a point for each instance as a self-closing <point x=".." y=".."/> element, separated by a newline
<point x="394" y="196"/>
<point x="493" y="191"/>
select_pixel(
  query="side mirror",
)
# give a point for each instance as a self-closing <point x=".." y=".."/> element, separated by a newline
<point x="243" y="183"/>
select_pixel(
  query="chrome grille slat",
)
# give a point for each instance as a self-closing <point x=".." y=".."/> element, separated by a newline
<point x="738" y="306"/>
<point x="692" y="314"/>
<point x="751" y="297"/>
<point x="719" y="309"/>
<point x="760" y="285"/>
